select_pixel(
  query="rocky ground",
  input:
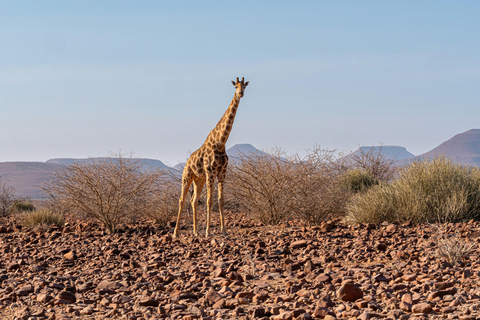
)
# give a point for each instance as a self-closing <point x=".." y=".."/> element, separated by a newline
<point x="332" y="271"/>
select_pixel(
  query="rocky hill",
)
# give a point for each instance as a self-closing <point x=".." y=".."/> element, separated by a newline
<point x="148" y="164"/>
<point x="27" y="177"/>
<point x="463" y="148"/>
<point x="392" y="152"/>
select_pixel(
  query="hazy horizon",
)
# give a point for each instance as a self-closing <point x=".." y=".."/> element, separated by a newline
<point x="83" y="79"/>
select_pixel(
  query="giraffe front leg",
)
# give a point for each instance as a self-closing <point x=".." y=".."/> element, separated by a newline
<point x="197" y="190"/>
<point x="185" y="186"/>
<point x="210" y="180"/>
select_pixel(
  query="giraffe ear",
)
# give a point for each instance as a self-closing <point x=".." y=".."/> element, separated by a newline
<point x="246" y="83"/>
<point x="233" y="82"/>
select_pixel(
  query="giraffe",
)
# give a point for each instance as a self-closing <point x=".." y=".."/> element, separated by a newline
<point x="209" y="162"/>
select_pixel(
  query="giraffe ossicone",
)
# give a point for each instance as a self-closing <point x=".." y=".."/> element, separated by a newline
<point x="208" y="163"/>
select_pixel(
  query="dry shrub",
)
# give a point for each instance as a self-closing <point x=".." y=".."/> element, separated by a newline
<point x="106" y="189"/>
<point x="451" y="247"/>
<point x="162" y="205"/>
<point x="425" y="191"/>
<point x="276" y="187"/>
<point x="41" y="217"/>
<point x="7" y="198"/>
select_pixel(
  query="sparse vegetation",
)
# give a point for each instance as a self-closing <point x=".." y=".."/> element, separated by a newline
<point x="7" y="198"/>
<point x="358" y="180"/>
<point x="275" y="188"/>
<point x="362" y="170"/>
<point x="22" y="205"/>
<point x="452" y="247"/>
<point x="162" y="205"/>
<point x="425" y="191"/>
<point x="42" y="217"/>
<point x="108" y="189"/>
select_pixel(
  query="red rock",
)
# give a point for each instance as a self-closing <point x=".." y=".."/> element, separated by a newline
<point x="219" y="273"/>
<point x="24" y="290"/>
<point x="212" y="296"/>
<point x="421" y="308"/>
<point x="324" y="302"/>
<point x="44" y="297"/>
<point x="108" y="285"/>
<point x="441" y="293"/>
<point x="146" y="301"/>
<point x="70" y="255"/>
<point x="219" y="304"/>
<point x="299" y="244"/>
<point x="321" y="312"/>
<point x="349" y="292"/>
<point x="67" y="296"/>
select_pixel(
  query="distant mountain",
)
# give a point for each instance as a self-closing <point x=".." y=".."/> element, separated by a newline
<point x="396" y="153"/>
<point x="392" y="152"/>
<point x="27" y="177"/>
<point x="148" y="164"/>
<point x="243" y="149"/>
<point x="463" y="148"/>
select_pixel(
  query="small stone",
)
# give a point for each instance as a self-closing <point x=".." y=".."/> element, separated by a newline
<point x="70" y="255"/>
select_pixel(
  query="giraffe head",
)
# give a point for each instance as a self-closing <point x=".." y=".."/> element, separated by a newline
<point x="240" y="86"/>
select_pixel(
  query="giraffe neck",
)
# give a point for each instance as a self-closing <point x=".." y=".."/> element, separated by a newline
<point x="219" y="135"/>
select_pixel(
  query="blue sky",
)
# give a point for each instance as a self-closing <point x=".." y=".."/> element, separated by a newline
<point x="86" y="78"/>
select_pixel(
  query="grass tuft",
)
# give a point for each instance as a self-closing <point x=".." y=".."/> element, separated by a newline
<point x="42" y="217"/>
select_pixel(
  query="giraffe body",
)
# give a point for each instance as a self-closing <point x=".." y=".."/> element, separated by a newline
<point x="208" y="163"/>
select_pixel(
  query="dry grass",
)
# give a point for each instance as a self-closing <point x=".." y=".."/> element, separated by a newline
<point x="452" y="247"/>
<point x="41" y="217"/>
<point x="425" y="191"/>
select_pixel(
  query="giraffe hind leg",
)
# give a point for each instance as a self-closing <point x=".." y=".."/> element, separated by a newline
<point x="221" y="202"/>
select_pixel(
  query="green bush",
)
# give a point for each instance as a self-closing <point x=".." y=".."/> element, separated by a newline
<point x="426" y="191"/>
<point x="358" y="180"/>
<point x="42" y="217"/>
<point x="21" y="206"/>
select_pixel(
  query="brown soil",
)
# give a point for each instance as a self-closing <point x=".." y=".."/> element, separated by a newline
<point x="332" y="271"/>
